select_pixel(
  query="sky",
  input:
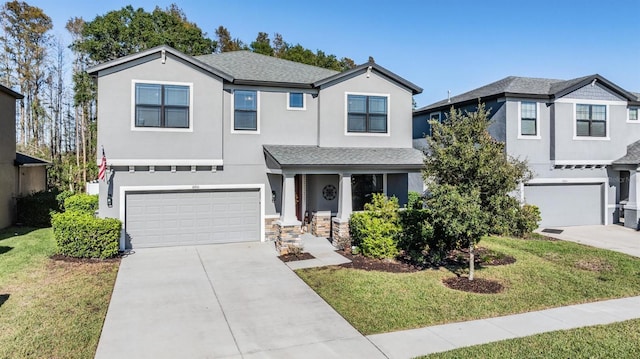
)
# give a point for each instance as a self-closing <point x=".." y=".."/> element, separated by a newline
<point x="439" y="45"/>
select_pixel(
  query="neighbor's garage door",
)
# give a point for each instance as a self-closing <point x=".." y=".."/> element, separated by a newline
<point x="185" y="218"/>
<point x="566" y="205"/>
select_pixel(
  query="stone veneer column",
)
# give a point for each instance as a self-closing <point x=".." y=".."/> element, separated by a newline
<point x="340" y="224"/>
<point x="321" y="224"/>
<point x="288" y="228"/>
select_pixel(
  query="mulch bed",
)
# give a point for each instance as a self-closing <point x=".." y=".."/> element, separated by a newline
<point x="477" y="285"/>
<point x="290" y="257"/>
<point x="67" y="259"/>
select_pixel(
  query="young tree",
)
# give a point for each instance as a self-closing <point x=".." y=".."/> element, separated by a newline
<point x="226" y="43"/>
<point x="466" y="165"/>
<point x="262" y="45"/>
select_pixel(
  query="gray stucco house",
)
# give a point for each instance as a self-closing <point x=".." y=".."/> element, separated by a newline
<point x="581" y="138"/>
<point x="8" y="171"/>
<point x="239" y="146"/>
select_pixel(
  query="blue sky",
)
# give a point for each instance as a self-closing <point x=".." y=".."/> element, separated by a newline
<point x="455" y="45"/>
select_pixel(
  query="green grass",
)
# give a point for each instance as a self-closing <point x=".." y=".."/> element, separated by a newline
<point x="546" y="274"/>
<point x="619" y="340"/>
<point x="49" y="309"/>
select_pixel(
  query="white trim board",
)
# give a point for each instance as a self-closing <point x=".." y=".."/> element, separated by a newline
<point x="164" y="162"/>
<point x="124" y="189"/>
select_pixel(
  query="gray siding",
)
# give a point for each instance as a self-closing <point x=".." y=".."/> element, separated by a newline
<point x="332" y="112"/>
<point x="596" y="92"/>
<point x="398" y="186"/>
<point x="421" y="127"/>
<point x="7" y="155"/>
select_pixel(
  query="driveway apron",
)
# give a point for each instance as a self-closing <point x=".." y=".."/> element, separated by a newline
<point x="221" y="301"/>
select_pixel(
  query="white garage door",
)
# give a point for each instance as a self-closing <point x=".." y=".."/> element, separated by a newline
<point x="185" y="218"/>
<point x="567" y="205"/>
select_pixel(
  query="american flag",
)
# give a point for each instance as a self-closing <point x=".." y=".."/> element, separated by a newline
<point x="103" y="167"/>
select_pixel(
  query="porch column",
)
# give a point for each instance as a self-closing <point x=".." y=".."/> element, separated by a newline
<point x="632" y="210"/>
<point x="344" y="198"/>
<point x="288" y="212"/>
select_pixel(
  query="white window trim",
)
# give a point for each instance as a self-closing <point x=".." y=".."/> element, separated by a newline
<point x="537" y="136"/>
<point x="124" y="189"/>
<point x="160" y="129"/>
<point x="365" y="134"/>
<point x="575" y="122"/>
<point x="233" y="114"/>
<point x="435" y="113"/>
<point x="636" y="122"/>
<point x="304" y="102"/>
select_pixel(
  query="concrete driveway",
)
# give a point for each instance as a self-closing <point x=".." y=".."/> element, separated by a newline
<point x="221" y="301"/>
<point x="613" y="237"/>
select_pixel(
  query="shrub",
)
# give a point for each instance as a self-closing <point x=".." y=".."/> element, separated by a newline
<point x="527" y="220"/>
<point x="510" y="218"/>
<point x="34" y="210"/>
<point x="61" y="197"/>
<point x="416" y="236"/>
<point x="375" y="231"/>
<point x="81" y="202"/>
<point x="81" y="235"/>
<point x="415" y="200"/>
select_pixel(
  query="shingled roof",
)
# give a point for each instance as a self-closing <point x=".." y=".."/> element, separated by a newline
<point x="632" y="157"/>
<point x="28" y="161"/>
<point x="526" y="87"/>
<point x="353" y="157"/>
<point x="250" y="66"/>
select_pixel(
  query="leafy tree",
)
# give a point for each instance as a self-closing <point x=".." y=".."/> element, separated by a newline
<point x="465" y="165"/>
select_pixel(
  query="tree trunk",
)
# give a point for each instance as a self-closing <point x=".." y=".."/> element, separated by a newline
<point x="471" y="261"/>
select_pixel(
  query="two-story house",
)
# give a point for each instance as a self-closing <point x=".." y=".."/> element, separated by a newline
<point x="581" y="138"/>
<point x="239" y="146"/>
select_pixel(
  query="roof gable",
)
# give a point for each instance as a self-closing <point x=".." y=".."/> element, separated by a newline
<point x="369" y="66"/>
<point x="10" y="92"/>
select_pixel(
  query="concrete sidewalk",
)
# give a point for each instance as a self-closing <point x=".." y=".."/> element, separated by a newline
<point x="323" y="251"/>
<point x="221" y="301"/>
<point x="613" y="237"/>
<point x="416" y="342"/>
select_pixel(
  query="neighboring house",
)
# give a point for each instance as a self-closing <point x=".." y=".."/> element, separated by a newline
<point x="31" y="174"/>
<point x="581" y="138"/>
<point x="239" y="146"/>
<point x="8" y="99"/>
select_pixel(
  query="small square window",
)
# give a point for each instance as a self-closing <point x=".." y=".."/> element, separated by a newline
<point x="296" y="100"/>
<point x="633" y="113"/>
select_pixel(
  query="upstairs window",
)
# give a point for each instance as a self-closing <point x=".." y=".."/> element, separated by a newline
<point x="528" y="119"/>
<point x="245" y="116"/>
<point x="164" y="106"/>
<point x="633" y="114"/>
<point x="366" y="114"/>
<point x="591" y="120"/>
<point x="296" y="101"/>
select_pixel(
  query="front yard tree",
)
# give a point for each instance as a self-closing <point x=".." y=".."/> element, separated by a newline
<point x="468" y="172"/>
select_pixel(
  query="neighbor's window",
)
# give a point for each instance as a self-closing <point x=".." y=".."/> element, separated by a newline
<point x="366" y="114"/>
<point x="591" y="120"/>
<point x="362" y="189"/>
<point x="296" y="100"/>
<point x="245" y="110"/>
<point x="633" y="113"/>
<point x="528" y="118"/>
<point x="162" y="106"/>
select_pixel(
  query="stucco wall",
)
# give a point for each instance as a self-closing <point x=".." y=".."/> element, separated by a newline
<point x="315" y="201"/>
<point x="7" y="156"/>
<point x="30" y="179"/>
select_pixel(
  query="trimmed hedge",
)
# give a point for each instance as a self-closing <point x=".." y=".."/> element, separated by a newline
<point x="375" y="231"/>
<point x="82" y="235"/>
<point x="81" y="202"/>
<point x="35" y="210"/>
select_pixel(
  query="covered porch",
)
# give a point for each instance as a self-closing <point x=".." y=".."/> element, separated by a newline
<point x="315" y="189"/>
<point x="628" y="201"/>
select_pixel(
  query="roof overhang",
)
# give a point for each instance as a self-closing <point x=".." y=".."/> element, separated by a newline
<point x="370" y="66"/>
<point x="10" y="92"/>
<point x="24" y="160"/>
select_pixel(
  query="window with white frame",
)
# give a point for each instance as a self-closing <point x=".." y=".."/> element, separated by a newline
<point x="633" y="114"/>
<point x="245" y="111"/>
<point x="162" y="106"/>
<point x="591" y="120"/>
<point x="528" y="118"/>
<point x="296" y="101"/>
<point x="434" y="116"/>
<point x="367" y="114"/>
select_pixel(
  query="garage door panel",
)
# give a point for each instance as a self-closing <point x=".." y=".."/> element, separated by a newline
<point x="567" y="205"/>
<point x="187" y="218"/>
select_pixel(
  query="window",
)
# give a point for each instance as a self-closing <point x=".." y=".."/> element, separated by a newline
<point x="245" y="110"/>
<point x="591" y="120"/>
<point x="162" y="106"/>
<point x="528" y="119"/>
<point x="434" y="116"/>
<point x="366" y="114"/>
<point x="362" y="189"/>
<point x="296" y="101"/>
<point x="633" y="114"/>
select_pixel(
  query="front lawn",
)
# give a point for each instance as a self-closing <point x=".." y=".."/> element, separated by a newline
<point x="618" y="340"/>
<point x="49" y="308"/>
<point x="546" y="274"/>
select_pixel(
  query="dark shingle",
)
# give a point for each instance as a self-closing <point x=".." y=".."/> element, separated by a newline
<point x="314" y="156"/>
<point x="632" y="157"/>
<point x="26" y="160"/>
<point x="246" y="65"/>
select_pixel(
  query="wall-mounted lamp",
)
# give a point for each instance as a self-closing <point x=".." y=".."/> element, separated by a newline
<point x="273" y="196"/>
<point x="109" y="200"/>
